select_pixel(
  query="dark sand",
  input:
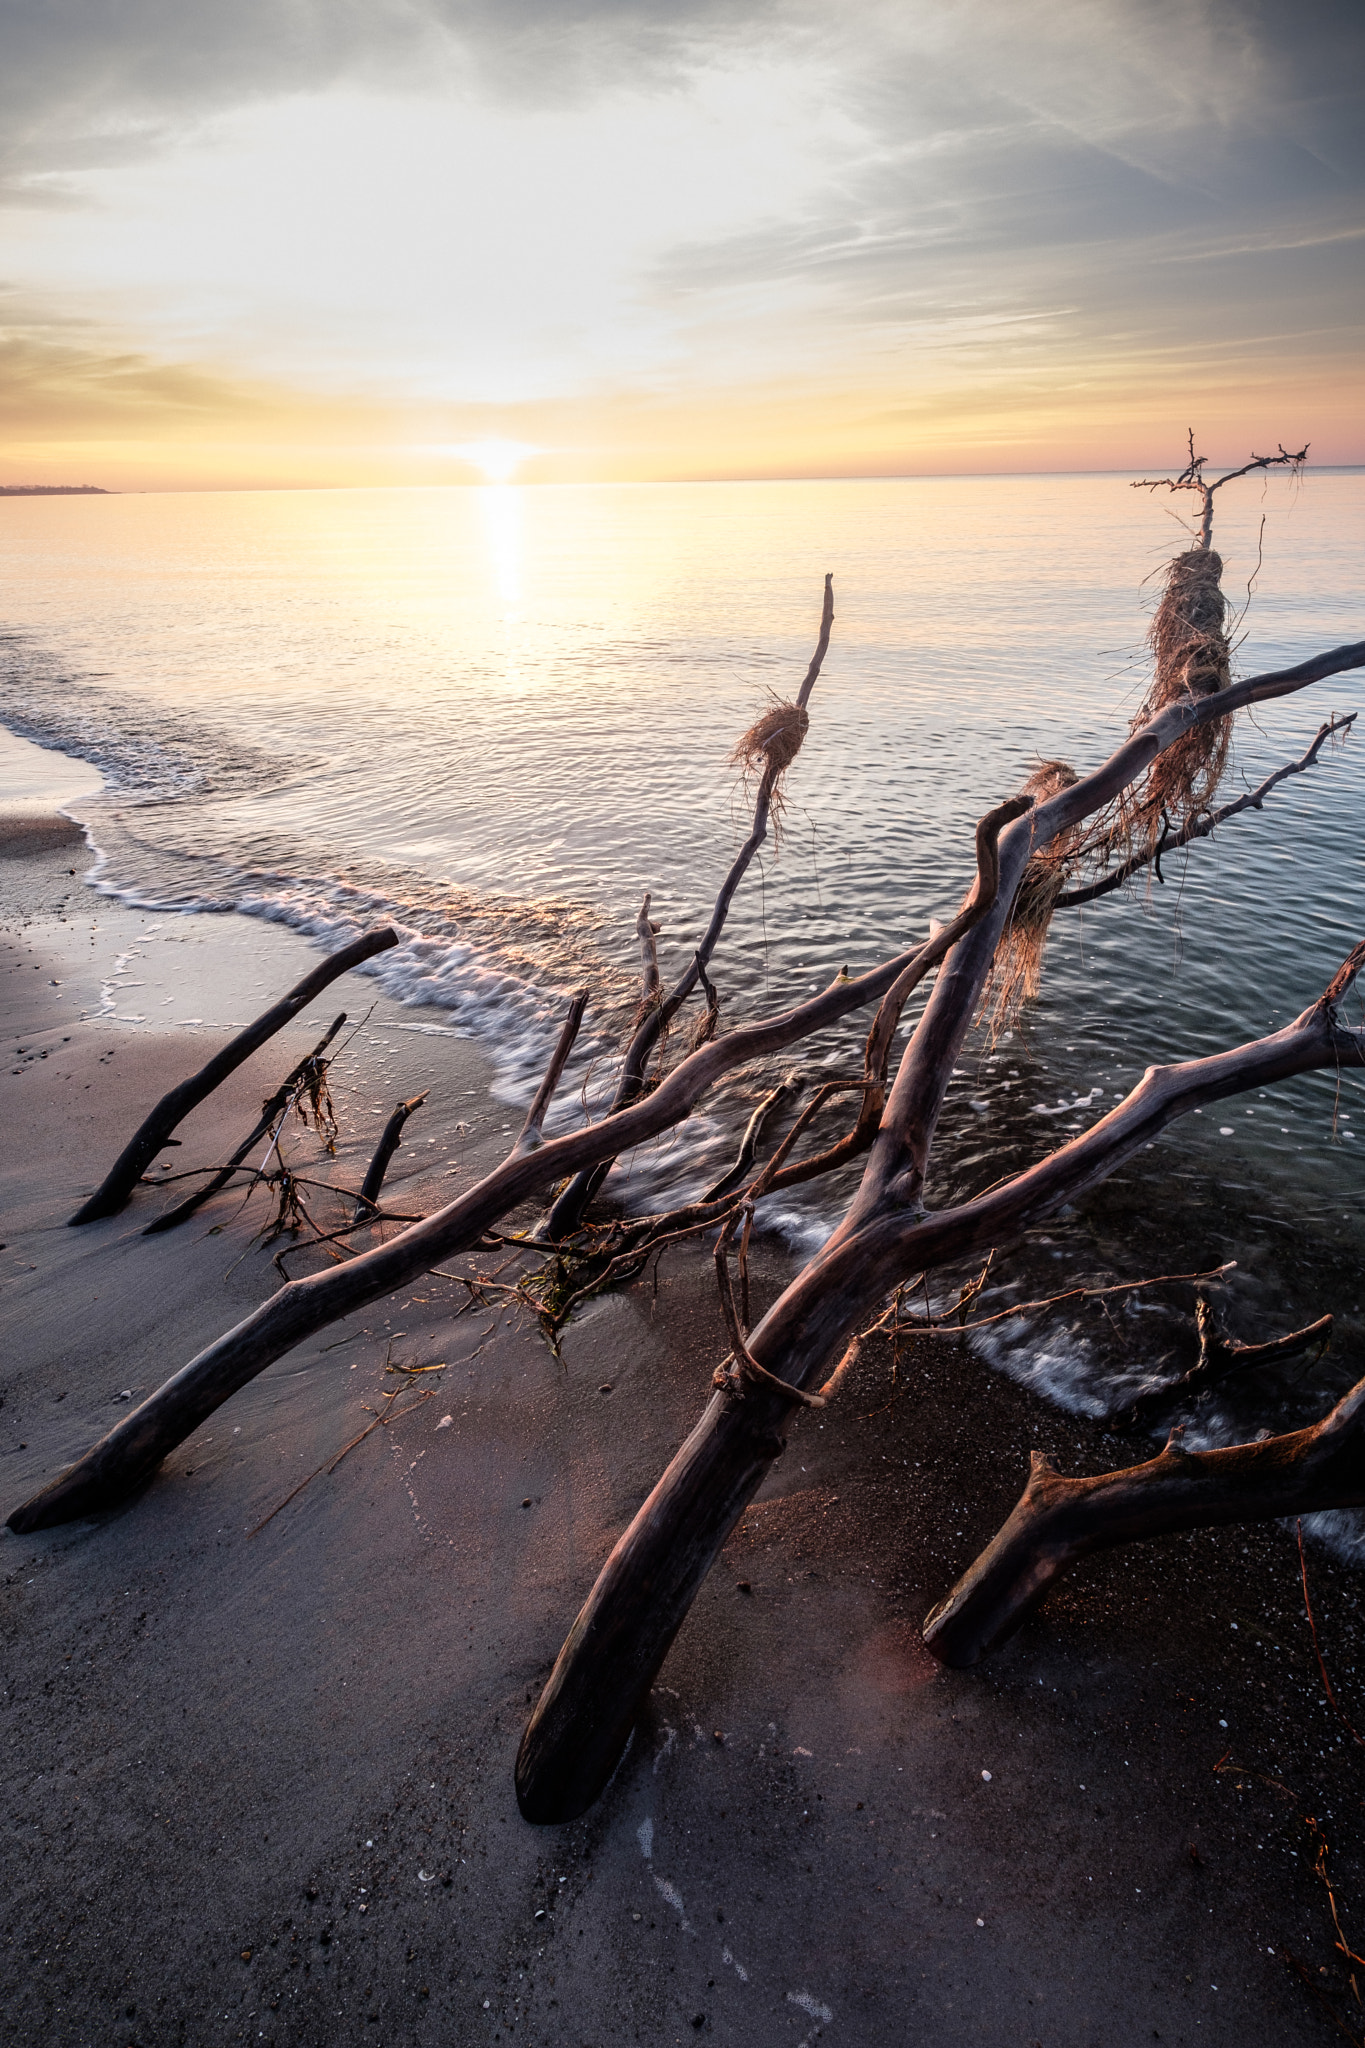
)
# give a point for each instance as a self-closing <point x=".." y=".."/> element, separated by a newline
<point x="258" y="1788"/>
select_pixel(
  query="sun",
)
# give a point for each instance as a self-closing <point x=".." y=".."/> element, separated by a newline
<point x="499" y="460"/>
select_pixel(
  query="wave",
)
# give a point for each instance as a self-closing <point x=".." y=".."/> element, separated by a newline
<point x="147" y="751"/>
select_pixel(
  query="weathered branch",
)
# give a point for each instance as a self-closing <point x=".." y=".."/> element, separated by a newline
<point x="567" y="1213"/>
<point x="278" y="1102"/>
<point x="533" y="1130"/>
<point x="1059" y="1521"/>
<point x="1221" y="1357"/>
<point x="753" y="1132"/>
<point x="647" y="933"/>
<point x="174" y="1107"/>
<point x="390" y="1139"/>
<point x="1201" y="827"/>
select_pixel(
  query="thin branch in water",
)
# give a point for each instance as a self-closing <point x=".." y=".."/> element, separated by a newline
<point x="937" y="1327"/>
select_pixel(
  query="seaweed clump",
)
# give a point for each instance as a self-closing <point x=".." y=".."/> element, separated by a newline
<point x="766" y="751"/>
<point x="1017" y="970"/>
<point x="1192" y="658"/>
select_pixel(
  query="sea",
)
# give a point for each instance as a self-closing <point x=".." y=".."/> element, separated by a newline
<point x="497" y="716"/>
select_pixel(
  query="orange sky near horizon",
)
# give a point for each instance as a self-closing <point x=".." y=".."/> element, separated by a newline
<point x="314" y="248"/>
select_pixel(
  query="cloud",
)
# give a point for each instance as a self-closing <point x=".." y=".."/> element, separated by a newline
<point x="515" y="204"/>
<point x="85" y="82"/>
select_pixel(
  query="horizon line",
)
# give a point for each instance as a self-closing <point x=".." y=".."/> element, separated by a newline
<point x="598" y="483"/>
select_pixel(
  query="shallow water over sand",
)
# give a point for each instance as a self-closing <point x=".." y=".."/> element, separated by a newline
<point x="501" y="714"/>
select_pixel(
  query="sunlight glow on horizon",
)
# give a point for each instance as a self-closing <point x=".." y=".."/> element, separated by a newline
<point x="993" y="237"/>
<point x="499" y="460"/>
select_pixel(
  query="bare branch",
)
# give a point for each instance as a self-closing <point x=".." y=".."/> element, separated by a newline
<point x="1203" y="827"/>
<point x="174" y="1107"/>
<point x="1221" y="1357"/>
<point x="1191" y="478"/>
<point x="753" y="1132"/>
<point x="533" y="1130"/>
<point x="651" y="987"/>
<point x="567" y="1213"/>
<point x="895" y="1325"/>
<point x="390" y="1139"/>
<point x="1059" y="1521"/>
<point x="278" y="1104"/>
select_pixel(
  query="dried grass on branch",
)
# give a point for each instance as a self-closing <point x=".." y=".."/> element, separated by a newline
<point x="766" y="751"/>
<point x="1189" y="642"/>
<point x="1017" y="970"/>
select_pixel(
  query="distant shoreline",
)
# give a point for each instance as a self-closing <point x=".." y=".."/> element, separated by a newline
<point x="55" y="491"/>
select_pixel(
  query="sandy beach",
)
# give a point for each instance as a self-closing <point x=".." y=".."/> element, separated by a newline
<point x="259" y="1748"/>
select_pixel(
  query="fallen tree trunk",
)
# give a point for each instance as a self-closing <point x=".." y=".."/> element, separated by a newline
<point x="124" y="1459"/>
<point x="612" y="1655"/>
<point x="137" y="1155"/>
<point x="1059" y="1521"/>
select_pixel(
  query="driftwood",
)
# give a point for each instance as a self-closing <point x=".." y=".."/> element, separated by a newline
<point x="1221" y="1357"/>
<point x="367" y="1203"/>
<point x="277" y="1105"/>
<point x="1203" y="826"/>
<point x="579" y="1728"/>
<point x="657" y="1010"/>
<point x="122" y="1461"/>
<point x="126" y="1457"/>
<point x="532" y="1135"/>
<point x="1059" y="1521"/>
<point x="758" y="1123"/>
<point x="128" y="1169"/>
<point x="583" y="1720"/>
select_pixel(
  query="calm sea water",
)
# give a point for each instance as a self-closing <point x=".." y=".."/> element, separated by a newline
<point x="498" y="715"/>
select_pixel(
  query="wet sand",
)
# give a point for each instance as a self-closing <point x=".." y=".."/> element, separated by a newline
<point x="259" y="1785"/>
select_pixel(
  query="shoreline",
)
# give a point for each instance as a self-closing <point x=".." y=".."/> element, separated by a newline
<point x="260" y="1783"/>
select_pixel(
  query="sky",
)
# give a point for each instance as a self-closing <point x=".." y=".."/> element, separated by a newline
<point x="319" y="242"/>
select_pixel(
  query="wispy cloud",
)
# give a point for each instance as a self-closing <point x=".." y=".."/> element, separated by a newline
<point x="995" y="220"/>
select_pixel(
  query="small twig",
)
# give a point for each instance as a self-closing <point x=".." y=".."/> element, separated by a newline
<point x="386" y="1416"/>
<point x="1301" y="1971"/>
<point x="1227" y="1764"/>
<point x="916" y="1327"/>
<point x="390" y="1397"/>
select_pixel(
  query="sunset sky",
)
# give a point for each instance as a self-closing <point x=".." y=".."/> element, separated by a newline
<point x="354" y="241"/>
